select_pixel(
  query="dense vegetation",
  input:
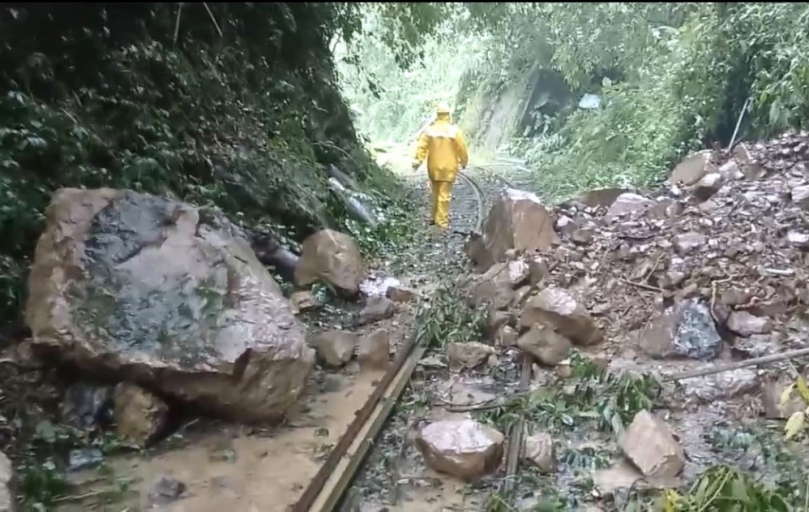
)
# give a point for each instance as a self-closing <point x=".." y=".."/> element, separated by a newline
<point x="671" y="78"/>
<point x="228" y="104"/>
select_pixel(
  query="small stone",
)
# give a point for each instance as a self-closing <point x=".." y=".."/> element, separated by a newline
<point x="464" y="356"/>
<point x="540" y="451"/>
<point x="166" y="490"/>
<point x="650" y="445"/>
<point x="629" y="203"/>
<point x="744" y="324"/>
<point x="798" y="239"/>
<point x="582" y="236"/>
<point x="800" y="196"/>
<point x="548" y="347"/>
<point x="462" y="448"/>
<point x="139" y="415"/>
<point x="335" y="348"/>
<point x="402" y="294"/>
<point x="565" y="225"/>
<point x="374" y="350"/>
<point x="302" y="301"/>
<point x="376" y="309"/>
<point x="686" y="243"/>
<point x="505" y="336"/>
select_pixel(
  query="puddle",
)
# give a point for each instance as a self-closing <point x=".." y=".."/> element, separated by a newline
<point x="224" y="471"/>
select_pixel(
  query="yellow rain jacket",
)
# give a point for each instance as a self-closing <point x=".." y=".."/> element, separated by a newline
<point x="444" y="147"/>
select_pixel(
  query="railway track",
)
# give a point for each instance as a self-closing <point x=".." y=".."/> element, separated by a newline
<point x="328" y="487"/>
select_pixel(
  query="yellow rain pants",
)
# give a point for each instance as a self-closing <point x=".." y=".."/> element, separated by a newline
<point x="442" y="144"/>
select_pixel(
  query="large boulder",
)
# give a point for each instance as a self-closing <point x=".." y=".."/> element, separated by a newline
<point x="167" y="296"/>
<point x="693" y="168"/>
<point x="557" y="309"/>
<point x="517" y="220"/>
<point x="333" y="257"/>
<point x="685" y="329"/>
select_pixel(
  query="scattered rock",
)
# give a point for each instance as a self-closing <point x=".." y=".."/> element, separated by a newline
<point x="537" y="270"/>
<point x="376" y="309"/>
<point x="139" y="415"/>
<point x="628" y="203"/>
<point x="548" y="347"/>
<point x="374" y="350"/>
<point x="505" y="336"/>
<point x="333" y="257"/>
<point x="650" y="445"/>
<point x="517" y="220"/>
<point x="302" y="301"/>
<point x="166" y="490"/>
<point x="402" y="294"/>
<point x="464" y="356"/>
<point x="707" y="186"/>
<point x="335" y="348"/>
<point x="8" y="485"/>
<point x="582" y="236"/>
<point x="693" y="168"/>
<point x="494" y="287"/>
<point x="800" y="196"/>
<point x="744" y="324"/>
<point x="685" y="330"/>
<point x="86" y="406"/>
<point x="540" y="451"/>
<point x="116" y="271"/>
<point x="557" y="309"/>
<point x="462" y="448"/>
<point x="686" y="243"/>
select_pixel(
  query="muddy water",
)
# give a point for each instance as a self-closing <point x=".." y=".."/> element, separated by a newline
<point x="229" y="471"/>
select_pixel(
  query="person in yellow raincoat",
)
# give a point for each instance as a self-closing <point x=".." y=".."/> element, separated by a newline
<point x="443" y="145"/>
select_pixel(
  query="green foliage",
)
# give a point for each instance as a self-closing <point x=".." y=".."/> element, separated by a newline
<point x="448" y="318"/>
<point x="602" y="399"/>
<point x="218" y="113"/>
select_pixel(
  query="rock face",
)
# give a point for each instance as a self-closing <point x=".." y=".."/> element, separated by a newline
<point x="335" y="348"/>
<point x="468" y="355"/>
<point x="333" y="257"/>
<point x="650" y="445"/>
<point x="684" y="330"/>
<point x="517" y="220"/>
<point x="8" y="497"/>
<point x="168" y="296"/>
<point x="139" y="415"/>
<point x="558" y="310"/>
<point x="462" y="448"/>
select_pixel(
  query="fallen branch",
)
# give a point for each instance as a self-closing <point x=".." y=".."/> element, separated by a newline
<point x="737" y="365"/>
<point x="644" y="286"/>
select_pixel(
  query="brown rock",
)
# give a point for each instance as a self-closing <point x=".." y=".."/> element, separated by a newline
<point x="519" y="221"/>
<point x="333" y="257"/>
<point x="505" y="336"/>
<point x="462" y="448"/>
<point x="376" y="308"/>
<point x="303" y="301"/>
<point x="464" y="356"/>
<point x="582" y="236"/>
<point x="599" y="198"/>
<point x="650" y="445"/>
<point x="537" y="270"/>
<point x="548" y="347"/>
<point x="540" y="451"/>
<point x="497" y="319"/>
<point x="686" y="243"/>
<point x="745" y="324"/>
<point x="565" y="225"/>
<point x="683" y="330"/>
<point x="8" y="485"/>
<point x="629" y="203"/>
<point x="693" y="168"/>
<point x="556" y="308"/>
<point x="402" y="294"/>
<point x="168" y="296"/>
<point x="139" y="415"/>
<point x="495" y="287"/>
<point x="335" y="348"/>
<point x="800" y="196"/>
<point x="707" y="186"/>
<point x="374" y="350"/>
